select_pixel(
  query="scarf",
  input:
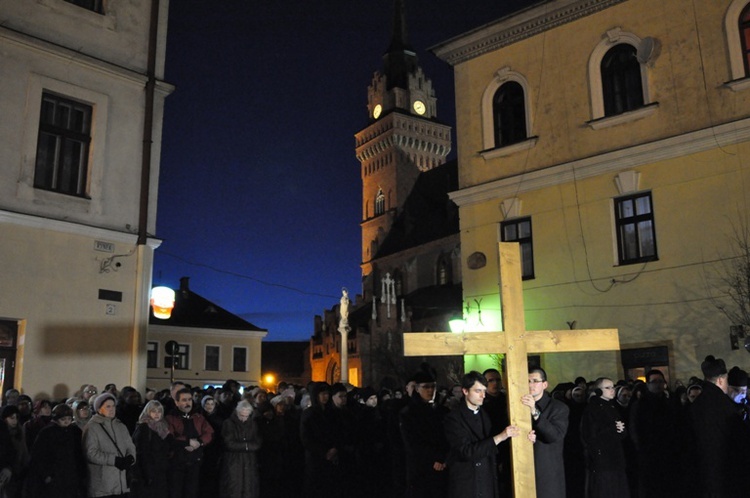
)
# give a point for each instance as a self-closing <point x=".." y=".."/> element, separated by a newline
<point x="158" y="426"/>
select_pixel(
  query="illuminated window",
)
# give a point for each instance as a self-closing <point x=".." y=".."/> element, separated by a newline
<point x="444" y="276"/>
<point x="379" y="203"/>
<point x="63" y="146"/>
<point x="636" y="233"/>
<point x="519" y="230"/>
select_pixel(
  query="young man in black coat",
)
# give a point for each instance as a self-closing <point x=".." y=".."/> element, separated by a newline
<point x="472" y="461"/>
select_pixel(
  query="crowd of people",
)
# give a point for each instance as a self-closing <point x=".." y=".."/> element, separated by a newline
<point x="603" y="438"/>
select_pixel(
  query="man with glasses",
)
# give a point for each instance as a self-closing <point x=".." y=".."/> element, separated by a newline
<point x="549" y="424"/>
<point x="603" y="432"/>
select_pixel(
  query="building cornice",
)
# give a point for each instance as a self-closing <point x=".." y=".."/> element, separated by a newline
<point x="41" y="223"/>
<point x="516" y="27"/>
<point x="206" y="332"/>
<point x="609" y="162"/>
<point x="400" y="130"/>
<point x="85" y="61"/>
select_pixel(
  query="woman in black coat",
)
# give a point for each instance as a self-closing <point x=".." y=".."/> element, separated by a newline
<point x="57" y="466"/>
<point x="239" y="465"/>
<point x="152" y="446"/>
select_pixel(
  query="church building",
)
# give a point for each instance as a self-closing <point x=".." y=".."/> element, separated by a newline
<point x="610" y="139"/>
<point x="411" y="273"/>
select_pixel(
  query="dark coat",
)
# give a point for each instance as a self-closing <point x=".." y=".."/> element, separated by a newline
<point x="152" y="462"/>
<point x="183" y="429"/>
<point x="653" y="429"/>
<point x="603" y="446"/>
<point x="422" y="432"/>
<point x="472" y="461"/>
<point x="721" y="440"/>
<point x="239" y="462"/>
<point x="58" y="467"/>
<point x="550" y="431"/>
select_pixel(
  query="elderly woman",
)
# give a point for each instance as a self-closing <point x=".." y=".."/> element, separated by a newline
<point x="151" y="438"/>
<point x="239" y="469"/>
<point x="81" y="413"/>
<point x="109" y="450"/>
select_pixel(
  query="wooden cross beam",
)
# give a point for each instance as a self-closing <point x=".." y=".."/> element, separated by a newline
<point x="516" y="342"/>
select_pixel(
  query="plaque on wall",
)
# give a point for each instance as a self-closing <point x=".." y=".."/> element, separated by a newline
<point x="476" y="260"/>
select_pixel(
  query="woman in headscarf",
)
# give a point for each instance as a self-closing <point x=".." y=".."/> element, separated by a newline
<point x="151" y="438"/>
<point x="239" y="468"/>
<point x="109" y="450"/>
<point x="57" y="465"/>
<point x="81" y="413"/>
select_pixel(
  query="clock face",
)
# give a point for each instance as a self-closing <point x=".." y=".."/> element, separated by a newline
<point x="376" y="111"/>
<point x="419" y="107"/>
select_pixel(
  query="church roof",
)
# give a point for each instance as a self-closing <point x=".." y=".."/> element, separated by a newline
<point x="194" y="310"/>
<point x="428" y="214"/>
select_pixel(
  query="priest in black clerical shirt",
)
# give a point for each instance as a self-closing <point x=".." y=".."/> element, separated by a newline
<point x="473" y="447"/>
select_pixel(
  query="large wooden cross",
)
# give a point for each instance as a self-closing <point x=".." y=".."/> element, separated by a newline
<point x="516" y="342"/>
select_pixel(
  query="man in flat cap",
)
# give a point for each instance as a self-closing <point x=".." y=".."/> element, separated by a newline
<point x="721" y="439"/>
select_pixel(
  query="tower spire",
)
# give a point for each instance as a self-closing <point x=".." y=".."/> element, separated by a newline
<point x="400" y="60"/>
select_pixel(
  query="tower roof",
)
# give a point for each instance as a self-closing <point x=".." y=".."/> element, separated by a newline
<point x="400" y="60"/>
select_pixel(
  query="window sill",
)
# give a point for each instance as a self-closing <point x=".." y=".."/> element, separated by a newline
<point x="738" y="85"/>
<point x="509" y="149"/>
<point x="625" y="117"/>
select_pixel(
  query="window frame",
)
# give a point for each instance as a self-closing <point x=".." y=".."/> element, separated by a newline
<point x="182" y="358"/>
<point x="514" y="109"/>
<point x="235" y="350"/>
<point x="152" y="356"/>
<point x="622" y="89"/>
<point x="63" y="137"/>
<point x="527" y="241"/>
<point x="491" y="149"/>
<point x="598" y="119"/>
<point x="379" y="203"/>
<point x="635" y="219"/>
<point x="205" y="358"/>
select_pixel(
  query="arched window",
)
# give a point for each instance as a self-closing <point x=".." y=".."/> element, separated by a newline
<point x="622" y="86"/>
<point x="509" y="111"/>
<point x="744" y="25"/>
<point x="379" y="203"/>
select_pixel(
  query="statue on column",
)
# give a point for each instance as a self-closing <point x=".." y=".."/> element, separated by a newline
<point x="344" y="309"/>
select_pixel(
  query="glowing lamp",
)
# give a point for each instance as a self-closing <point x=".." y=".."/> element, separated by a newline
<point x="162" y="302"/>
<point x="269" y="379"/>
<point x="457" y="325"/>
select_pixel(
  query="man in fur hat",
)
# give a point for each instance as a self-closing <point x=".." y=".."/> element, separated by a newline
<point x="721" y="438"/>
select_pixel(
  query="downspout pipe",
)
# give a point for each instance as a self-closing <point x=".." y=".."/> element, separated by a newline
<point x="148" y="125"/>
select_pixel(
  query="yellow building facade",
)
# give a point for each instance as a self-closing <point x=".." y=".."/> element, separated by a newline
<point x="611" y="139"/>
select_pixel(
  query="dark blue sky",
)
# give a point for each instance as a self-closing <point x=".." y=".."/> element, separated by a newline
<point x="260" y="192"/>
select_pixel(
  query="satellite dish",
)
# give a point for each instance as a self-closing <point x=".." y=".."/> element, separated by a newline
<point x="646" y="50"/>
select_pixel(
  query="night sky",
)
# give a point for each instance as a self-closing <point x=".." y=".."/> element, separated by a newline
<point x="260" y="191"/>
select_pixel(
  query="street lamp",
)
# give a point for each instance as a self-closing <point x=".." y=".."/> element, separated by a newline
<point x="162" y="302"/>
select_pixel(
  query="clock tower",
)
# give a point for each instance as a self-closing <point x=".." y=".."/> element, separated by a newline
<point x="402" y="140"/>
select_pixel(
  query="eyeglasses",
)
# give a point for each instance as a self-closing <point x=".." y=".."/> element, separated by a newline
<point x="90" y="392"/>
<point x="536" y="381"/>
